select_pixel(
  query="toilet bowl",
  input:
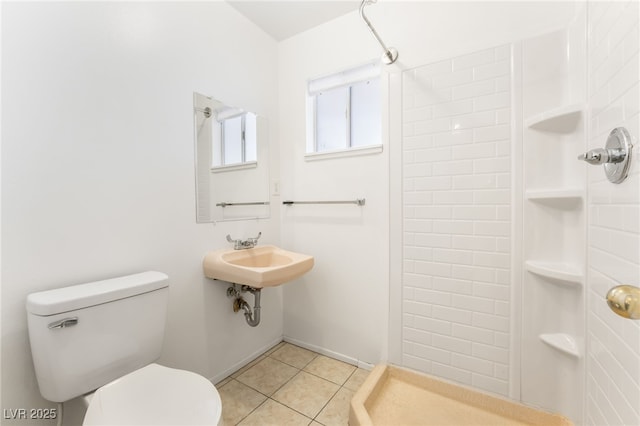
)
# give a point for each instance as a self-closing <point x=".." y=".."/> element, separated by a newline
<point x="96" y="343"/>
<point x="155" y="395"/>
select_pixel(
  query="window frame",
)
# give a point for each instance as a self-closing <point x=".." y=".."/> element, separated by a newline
<point x="343" y="79"/>
<point x="243" y="164"/>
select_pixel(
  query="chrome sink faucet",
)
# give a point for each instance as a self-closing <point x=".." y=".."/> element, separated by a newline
<point x="244" y="244"/>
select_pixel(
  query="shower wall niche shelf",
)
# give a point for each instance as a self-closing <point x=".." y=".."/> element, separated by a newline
<point x="553" y="220"/>
<point x="554" y="194"/>
<point x="563" y="119"/>
<point x="558" y="271"/>
<point x="562" y="342"/>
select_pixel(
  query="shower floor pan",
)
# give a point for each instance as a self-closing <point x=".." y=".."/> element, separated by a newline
<point x="395" y="396"/>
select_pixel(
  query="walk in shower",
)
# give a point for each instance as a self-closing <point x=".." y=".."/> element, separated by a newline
<point x="508" y="241"/>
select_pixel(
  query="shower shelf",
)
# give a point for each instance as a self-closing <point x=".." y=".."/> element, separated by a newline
<point x="563" y="119"/>
<point x="558" y="271"/>
<point x="554" y="194"/>
<point x="562" y="342"/>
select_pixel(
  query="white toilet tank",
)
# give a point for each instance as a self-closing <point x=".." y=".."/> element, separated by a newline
<point x="87" y="335"/>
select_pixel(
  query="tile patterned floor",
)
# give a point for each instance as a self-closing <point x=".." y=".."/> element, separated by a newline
<point x="289" y="385"/>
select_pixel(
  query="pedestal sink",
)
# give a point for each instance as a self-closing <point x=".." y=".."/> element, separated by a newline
<point x="258" y="267"/>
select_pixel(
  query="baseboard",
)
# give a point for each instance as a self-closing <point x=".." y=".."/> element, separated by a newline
<point x="246" y="360"/>
<point x="331" y="354"/>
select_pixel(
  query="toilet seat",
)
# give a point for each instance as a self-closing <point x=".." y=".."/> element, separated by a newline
<point x="155" y="395"/>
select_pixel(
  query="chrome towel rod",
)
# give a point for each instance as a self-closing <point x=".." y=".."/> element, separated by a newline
<point x="358" y="201"/>
<point x="254" y="203"/>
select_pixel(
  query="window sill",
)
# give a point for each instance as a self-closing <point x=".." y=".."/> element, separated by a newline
<point x="234" y="167"/>
<point x="351" y="152"/>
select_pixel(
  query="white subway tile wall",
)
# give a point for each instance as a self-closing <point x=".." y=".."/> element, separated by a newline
<point x="456" y="212"/>
<point x="613" y="345"/>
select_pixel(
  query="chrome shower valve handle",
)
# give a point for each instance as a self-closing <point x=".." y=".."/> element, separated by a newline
<point x="592" y="157"/>
<point x="615" y="156"/>
<point x="602" y="156"/>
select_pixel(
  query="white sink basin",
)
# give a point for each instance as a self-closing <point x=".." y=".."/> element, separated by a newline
<point x="261" y="266"/>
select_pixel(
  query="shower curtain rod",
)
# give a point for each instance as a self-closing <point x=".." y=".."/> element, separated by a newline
<point x="390" y="54"/>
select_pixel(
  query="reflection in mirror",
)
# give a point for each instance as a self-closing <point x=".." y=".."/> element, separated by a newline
<point x="232" y="162"/>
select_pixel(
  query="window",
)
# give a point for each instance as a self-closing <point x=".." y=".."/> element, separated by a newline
<point x="343" y="110"/>
<point x="237" y="142"/>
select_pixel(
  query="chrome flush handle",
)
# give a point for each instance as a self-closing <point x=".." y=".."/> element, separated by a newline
<point x="63" y="323"/>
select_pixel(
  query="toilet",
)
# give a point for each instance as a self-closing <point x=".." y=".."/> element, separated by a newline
<point x="97" y="343"/>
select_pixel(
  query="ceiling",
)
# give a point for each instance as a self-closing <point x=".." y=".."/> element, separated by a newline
<point x="283" y="19"/>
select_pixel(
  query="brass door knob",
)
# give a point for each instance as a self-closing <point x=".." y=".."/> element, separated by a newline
<point x="624" y="300"/>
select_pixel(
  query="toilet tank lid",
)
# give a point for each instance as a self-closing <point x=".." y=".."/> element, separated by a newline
<point x="80" y="296"/>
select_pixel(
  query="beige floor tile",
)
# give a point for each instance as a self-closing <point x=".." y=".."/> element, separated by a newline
<point x="248" y="366"/>
<point x="357" y="379"/>
<point x="336" y="412"/>
<point x="306" y="394"/>
<point x="272" y="413"/>
<point x="238" y="401"/>
<point x="294" y="355"/>
<point x="331" y="369"/>
<point x="267" y="376"/>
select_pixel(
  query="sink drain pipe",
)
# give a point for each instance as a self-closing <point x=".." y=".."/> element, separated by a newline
<point x="252" y="316"/>
<point x="253" y="319"/>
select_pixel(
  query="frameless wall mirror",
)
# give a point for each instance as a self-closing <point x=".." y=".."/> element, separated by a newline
<point x="232" y="162"/>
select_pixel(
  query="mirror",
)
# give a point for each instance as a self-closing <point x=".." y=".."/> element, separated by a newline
<point x="232" y="162"/>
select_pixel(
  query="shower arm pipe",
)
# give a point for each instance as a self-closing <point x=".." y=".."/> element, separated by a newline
<point x="390" y="54"/>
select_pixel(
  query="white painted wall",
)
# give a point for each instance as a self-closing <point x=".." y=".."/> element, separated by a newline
<point x="342" y="305"/>
<point x="613" y="343"/>
<point x="98" y="166"/>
